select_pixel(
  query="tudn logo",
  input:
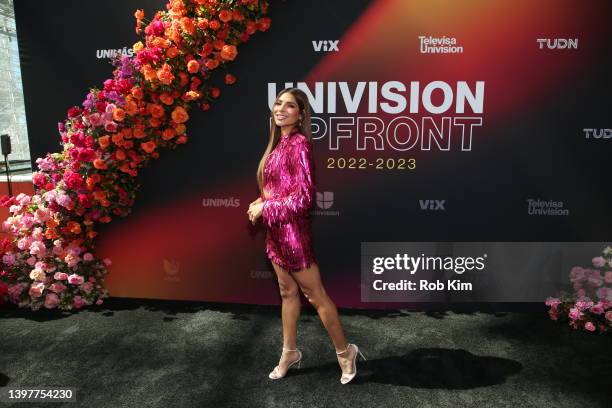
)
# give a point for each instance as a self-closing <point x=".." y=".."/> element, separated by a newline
<point x="112" y="53"/>
<point x="558" y="43"/>
<point x="325" y="45"/>
<point x="597" y="133"/>
<point x="325" y="199"/>
<point x="432" y="205"/>
<point x="221" y="202"/>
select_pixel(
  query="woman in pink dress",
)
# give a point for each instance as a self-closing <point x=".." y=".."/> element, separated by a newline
<point x="285" y="177"/>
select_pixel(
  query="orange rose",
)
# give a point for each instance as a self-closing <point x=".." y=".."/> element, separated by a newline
<point x="126" y="133"/>
<point x="237" y="16"/>
<point x="166" y="98"/>
<point x="131" y="108"/>
<point x="52" y="223"/>
<point x="168" y="134"/>
<point x="120" y="155"/>
<point x="230" y="79"/>
<point x="160" y="42"/>
<point x="118" y="114"/>
<point x="229" y="52"/>
<point x="99" y="164"/>
<point x="91" y="234"/>
<point x="187" y="25"/>
<point x="139" y="132"/>
<point x="117" y="139"/>
<point x="148" y="147"/>
<point x="225" y="16"/>
<point x="157" y="111"/>
<point x="165" y="76"/>
<point x="180" y="129"/>
<point x="139" y="14"/>
<point x="74" y="227"/>
<point x="137" y="92"/>
<point x="211" y="63"/>
<point x="193" y="66"/>
<point x="172" y="52"/>
<point x="51" y="234"/>
<point x="179" y="115"/>
<point x="154" y="122"/>
<point x="104" y="141"/>
<point x="99" y="195"/>
<point x="182" y="139"/>
<point x="263" y="24"/>
<point x="149" y="72"/>
<point x="214" y="25"/>
<point x="129" y="144"/>
<point x="203" y="23"/>
<point x="215" y="92"/>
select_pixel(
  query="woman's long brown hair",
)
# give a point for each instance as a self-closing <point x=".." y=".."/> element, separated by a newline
<point x="275" y="131"/>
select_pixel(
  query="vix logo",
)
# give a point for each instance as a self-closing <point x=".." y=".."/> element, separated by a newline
<point x="432" y="205"/>
<point x="325" y="45"/>
<point x="325" y="199"/>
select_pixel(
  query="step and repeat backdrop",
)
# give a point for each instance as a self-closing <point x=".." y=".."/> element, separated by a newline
<point x="462" y="149"/>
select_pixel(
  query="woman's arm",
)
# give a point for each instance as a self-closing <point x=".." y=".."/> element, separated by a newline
<point x="278" y="211"/>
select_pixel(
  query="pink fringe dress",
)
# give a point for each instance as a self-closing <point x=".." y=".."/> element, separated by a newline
<point x="288" y="195"/>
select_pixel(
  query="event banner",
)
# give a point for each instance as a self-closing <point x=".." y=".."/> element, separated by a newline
<point x="461" y="149"/>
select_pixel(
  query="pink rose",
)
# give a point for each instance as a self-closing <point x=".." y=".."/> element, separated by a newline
<point x="51" y="301"/>
<point x="58" y="287"/>
<point x="75" y="279"/>
<point x="581" y="293"/>
<point x="609" y="315"/>
<point x="599" y="261"/>
<point x="574" y="313"/>
<point x="589" y="326"/>
<point x="88" y="256"/>
<point x="78" y="302"/>
<point x="60" y="276"/>
<point x="552" y="302"/>
<point x="9" y="259"/>
<point x="87" y="287"/>
<point x="608" y="277"/>
<point x="36" y="289"/>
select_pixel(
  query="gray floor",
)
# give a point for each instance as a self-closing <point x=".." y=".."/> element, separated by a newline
<point x="177" y="354"/>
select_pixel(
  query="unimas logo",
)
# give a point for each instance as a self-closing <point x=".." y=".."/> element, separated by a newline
<point x="112" y="52"/>
<point x="221" y="202"/>
<point x="325" y="45"/>
<point x="432" y="205"/>
<point x="439" y="45"/>
<point x="558" y="43"/>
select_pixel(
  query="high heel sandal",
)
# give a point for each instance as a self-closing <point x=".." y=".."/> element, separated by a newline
<point x="276" y="373"/>
<point x="345" y="378"/>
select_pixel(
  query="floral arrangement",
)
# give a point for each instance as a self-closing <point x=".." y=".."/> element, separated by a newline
<point x="48" y="259"/>
<point x="589" y="307"/>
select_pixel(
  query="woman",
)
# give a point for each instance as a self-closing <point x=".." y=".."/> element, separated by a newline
<point x="285" y="178"/>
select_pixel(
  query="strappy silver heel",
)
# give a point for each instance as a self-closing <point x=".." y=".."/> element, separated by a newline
<point x="276" y="374"/>
<point x="348" y="377"/>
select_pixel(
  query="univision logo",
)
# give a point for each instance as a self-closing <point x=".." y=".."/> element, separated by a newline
<point x="558" y="43"/>
<point x="432" y="205"/>
<point x="112" y="53"/>
<point x="221" y="202"/>
<point x="597" y="133"/>
<point x="325" y="199"/>
<point x="325" y="45"/>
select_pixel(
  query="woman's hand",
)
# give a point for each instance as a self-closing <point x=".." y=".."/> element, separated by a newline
<point x="255" y="209"/>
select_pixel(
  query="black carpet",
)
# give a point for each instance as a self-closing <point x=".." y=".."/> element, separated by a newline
<point x="142" y="353"/>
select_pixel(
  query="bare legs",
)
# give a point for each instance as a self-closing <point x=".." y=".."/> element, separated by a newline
<point x="309" y="281"/>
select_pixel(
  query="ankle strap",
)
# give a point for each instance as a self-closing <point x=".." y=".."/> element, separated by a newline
<point x="286" y="349"/>
<point x="347" y="347"/>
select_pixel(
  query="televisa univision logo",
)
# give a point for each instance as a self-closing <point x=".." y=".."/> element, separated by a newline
<point x="439" y="45"/>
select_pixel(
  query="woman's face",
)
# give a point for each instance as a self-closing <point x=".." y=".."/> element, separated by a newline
<point x="286" y="111"/>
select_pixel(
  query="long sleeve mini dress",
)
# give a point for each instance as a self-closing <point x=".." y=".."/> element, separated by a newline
<point x="288" y="190"/>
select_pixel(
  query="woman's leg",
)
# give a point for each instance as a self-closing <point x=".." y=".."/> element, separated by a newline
<point x="309" y="280"/>
<point x="291" y="305"/>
